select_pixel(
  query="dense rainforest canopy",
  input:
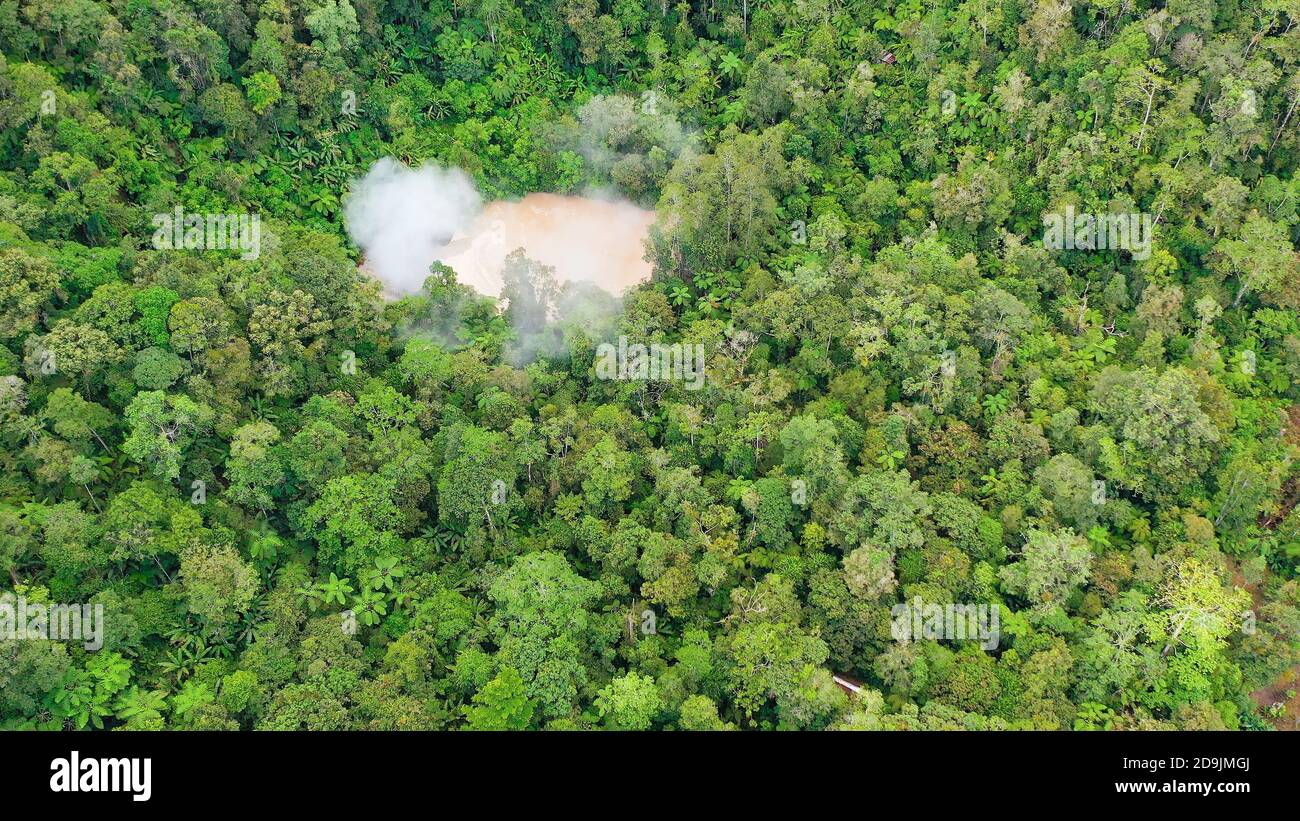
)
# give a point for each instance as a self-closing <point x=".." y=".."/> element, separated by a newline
<point x="303" y="506"/>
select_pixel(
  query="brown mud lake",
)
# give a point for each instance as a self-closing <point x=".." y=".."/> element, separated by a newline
<point x="585" y="239"/>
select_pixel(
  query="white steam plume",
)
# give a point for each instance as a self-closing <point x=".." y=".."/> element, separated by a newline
<point x="401" y="217"/>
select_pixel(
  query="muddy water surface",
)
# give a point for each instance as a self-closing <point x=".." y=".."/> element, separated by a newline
<point x="584" y="239"/>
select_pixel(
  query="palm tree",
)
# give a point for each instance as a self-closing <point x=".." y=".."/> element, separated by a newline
<point x="335" y="590"/>
<point x="730" y="65"/>
<point x="370" y="606"/>
<point x="387" y="571"/>
<point x="138" y="703"/>
<point x="737" y="488"/>
<point x="891" y="459"/>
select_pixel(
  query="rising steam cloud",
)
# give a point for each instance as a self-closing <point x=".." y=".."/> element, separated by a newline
<point x="405" y="219"/>
<point x="402" y="217"/>
<point x="579" y="253"/>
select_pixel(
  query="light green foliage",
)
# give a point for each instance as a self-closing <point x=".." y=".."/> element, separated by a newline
<point x="545" y="630"/>
<point x="629" y="702"/>
<point x="218" y="584"/>
<point x="26" y="282"/>
<point x="161" y="426"/>
<point x="1049" y="567"/>
<point x="501" y="704"/>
